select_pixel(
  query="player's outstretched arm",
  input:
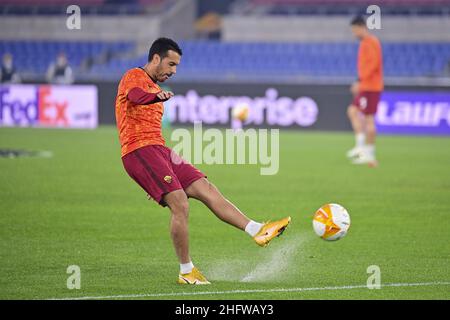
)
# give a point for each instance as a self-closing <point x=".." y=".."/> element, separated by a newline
<point x="139" y="96"/>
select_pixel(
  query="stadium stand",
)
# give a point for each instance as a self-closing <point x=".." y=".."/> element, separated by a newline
<point x="90" y="7"/>
<point x="320" y="7"/>
<point x="246" y="58"/>
<point x="32" y="58"/>
<point x="209" y="60"/>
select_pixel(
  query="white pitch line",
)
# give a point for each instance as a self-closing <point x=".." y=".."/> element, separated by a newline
<point x="175" y="294"/>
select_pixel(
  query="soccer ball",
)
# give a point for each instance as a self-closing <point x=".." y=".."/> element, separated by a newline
<point x="331" y="222"/>
<point x="240" y="112"/>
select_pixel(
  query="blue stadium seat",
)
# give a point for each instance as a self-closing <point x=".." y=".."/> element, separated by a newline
<point x="36" y="56"/>
<point x="213" y="59"/>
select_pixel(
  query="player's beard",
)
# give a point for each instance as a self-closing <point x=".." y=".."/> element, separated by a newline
<point x="161" y="75"/>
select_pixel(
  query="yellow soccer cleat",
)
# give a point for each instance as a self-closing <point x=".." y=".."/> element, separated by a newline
<point x="194" y="277"/>
<point x="271" y="230"/>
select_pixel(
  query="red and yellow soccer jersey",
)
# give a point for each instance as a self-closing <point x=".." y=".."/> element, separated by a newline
<point x="138" y="125"/>
<point x="370" y="64"/>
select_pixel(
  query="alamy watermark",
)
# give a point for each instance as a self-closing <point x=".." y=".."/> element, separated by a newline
<point x="74" y="280"/>
<point x="214" y="146"/>
<point x="374" y="280"/>
<point x="73" y="21"/>
<point x="374" y="20"/>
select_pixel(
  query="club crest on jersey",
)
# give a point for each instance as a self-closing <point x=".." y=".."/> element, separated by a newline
<point x="168" y="179"/>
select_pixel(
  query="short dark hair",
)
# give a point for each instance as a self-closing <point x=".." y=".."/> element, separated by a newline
<point x="358" y="21"/>
<point x="161" y="46"/>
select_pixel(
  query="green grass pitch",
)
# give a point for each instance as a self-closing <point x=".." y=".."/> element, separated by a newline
<point x="80" y="208"/>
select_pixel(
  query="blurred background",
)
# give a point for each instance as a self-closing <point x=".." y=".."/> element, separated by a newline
<point x="266" y="49"/>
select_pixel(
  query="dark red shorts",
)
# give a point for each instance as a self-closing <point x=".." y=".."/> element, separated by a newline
<point x="367" y="101"/>
<point x="159" y="170"/>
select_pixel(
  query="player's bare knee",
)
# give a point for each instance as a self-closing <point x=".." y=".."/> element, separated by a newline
<point x="211" y="193"/>
<point x="201" y="190"/>
<point x="370" y="124"/>
<point x="371" y="129"/>
<point x="181" y="207"/>
<point x="178" y="204"/>
<point x="211" y="188"/>
<point x="351" y="111"/>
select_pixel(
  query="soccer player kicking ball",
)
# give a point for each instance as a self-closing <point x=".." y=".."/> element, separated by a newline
<point x="366" y="91"/>
<point x="166" y="178"/>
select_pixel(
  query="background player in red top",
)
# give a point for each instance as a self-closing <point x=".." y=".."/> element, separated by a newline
<point x="162" y="173"/>
<point x="366" y="91"/>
